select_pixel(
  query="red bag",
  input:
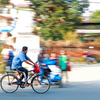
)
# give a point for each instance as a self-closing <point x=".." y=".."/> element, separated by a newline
<point x="36" y="69"/>
<point x="68" y="66"/>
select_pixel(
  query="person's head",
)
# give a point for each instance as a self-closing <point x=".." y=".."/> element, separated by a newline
<point x="11" y="47"/>
<point x="25" y="49"/>
<point x="62" y="52"/>
<point x="53" y="54"/>
<point x="41" y="50"/>
<point x="7" y="47"/>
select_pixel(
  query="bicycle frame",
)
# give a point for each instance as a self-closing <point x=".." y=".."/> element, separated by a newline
<point x="36" y="81"/>
<point x="36" y="70"/>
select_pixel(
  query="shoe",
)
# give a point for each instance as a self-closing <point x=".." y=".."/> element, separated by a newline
<point x="16" y="82"/>
<point x="27" y="84"/>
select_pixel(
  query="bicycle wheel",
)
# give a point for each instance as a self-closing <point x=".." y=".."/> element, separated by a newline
<point x="7" y="83"/>
<point x="40" y="84"/>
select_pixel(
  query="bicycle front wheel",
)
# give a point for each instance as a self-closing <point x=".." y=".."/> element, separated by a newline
<point x="8" y="83"/>
<point x="40" y="84"/>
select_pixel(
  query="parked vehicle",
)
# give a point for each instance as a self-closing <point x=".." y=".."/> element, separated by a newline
<point x="89" y="57"/>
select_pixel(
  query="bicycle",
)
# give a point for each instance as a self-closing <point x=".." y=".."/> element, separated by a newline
<point x="39" y="83"/>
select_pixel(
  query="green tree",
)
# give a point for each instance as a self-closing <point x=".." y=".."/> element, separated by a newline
<point x="2" y="61"/>
<point x="4" y="2"/>
<point x="59" y="16"/>
<point x="95" y="17"/>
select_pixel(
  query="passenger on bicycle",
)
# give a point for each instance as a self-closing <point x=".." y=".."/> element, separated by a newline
<point x="17" y="63"/>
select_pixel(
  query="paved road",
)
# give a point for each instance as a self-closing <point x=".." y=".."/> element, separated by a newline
<point x="84" y="72"/>
<point x="84" y="84"/>
<point x="74" y="91"/>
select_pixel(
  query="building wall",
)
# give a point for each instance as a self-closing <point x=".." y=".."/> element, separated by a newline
<point x="3" y="22"/>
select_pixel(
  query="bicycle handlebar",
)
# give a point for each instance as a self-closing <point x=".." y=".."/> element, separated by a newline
<point x="35" y="63"/>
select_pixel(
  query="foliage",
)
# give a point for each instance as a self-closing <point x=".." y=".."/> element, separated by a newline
<point x="81" y="60"/>
<point x="58" y="16"/>
<point x="1" y="59"/>
<point x="93" y="34"/>
<point x="98" y="40"/>
<point x="1" y="64"/>
<point x="98" y="59"/>
<point x="88" y="27"/>
<point x="69" y="35"/>
<point x="95" y="17"/>
<point x="4" y="2"/>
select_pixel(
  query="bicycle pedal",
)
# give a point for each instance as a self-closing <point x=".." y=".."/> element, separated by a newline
<point x="26" y="85"/>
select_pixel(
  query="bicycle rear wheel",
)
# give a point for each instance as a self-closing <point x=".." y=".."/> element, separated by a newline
<point x="7" y="83"/>
<point x="40" y="84"/>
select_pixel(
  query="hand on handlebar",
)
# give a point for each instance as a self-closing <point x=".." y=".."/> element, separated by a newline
<point x="35" y="64"/>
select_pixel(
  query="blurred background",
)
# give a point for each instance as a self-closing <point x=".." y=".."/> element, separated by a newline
<point x="54" y="25"/>
<point x="56" y="28"/>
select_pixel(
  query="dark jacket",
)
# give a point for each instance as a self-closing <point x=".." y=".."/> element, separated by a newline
<point x="40" y="59"/>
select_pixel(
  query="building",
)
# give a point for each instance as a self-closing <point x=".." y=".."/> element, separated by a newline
<point x="88" y="32"/>
<point x="22" y="31"/>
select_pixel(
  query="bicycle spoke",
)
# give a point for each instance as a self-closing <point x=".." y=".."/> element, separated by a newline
<point x="40" y="84"/>
<point x="6" y="83"/>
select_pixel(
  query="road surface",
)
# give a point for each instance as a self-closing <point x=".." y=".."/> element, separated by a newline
<point x="84" y="84"/>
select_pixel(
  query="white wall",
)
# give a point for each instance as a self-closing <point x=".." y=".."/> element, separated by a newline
<point x="33" y="44"/>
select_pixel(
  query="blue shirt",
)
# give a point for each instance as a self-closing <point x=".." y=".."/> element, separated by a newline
<point x="40" y="59"/>
<point x="18" y="59"/>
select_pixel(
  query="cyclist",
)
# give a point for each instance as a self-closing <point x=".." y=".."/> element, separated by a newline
<point x="17" y="63"/>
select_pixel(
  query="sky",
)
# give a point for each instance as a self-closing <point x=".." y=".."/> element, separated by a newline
<point x="93" y="7"/>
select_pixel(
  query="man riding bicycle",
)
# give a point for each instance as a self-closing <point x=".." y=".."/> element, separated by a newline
<point x="17" y="63"/>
